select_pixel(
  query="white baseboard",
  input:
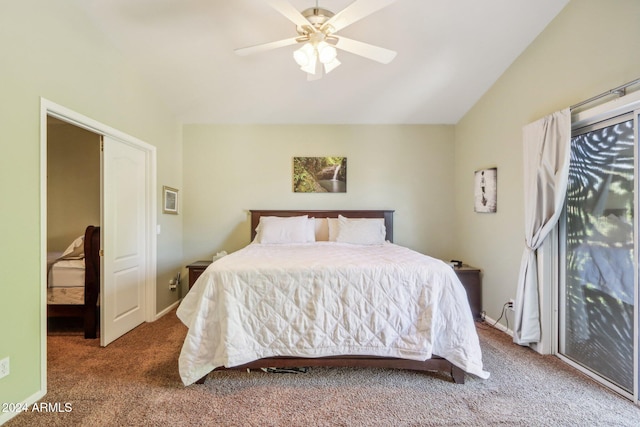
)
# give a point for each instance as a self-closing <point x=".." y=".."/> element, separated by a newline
<point x="167" y="310"/>
<point x="534" y="346"/>
<point x="28" y="402"/>
<point x="492" y="322"/>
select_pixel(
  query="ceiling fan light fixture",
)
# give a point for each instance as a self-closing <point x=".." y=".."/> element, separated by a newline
<point x="311" y="66"/>
<point x="326" y="52"/>
<point x="304" y="55"/>
<point x="330" y="66"/>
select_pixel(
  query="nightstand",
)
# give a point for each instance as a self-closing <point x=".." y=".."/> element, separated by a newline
<point x="470" y="278"/>
<point x="196" y="269"/>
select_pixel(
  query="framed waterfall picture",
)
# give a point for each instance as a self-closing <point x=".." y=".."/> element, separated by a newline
<point x="486" y="191"/>
<point x="169" y="200"/>
<point x="319" y="174"/>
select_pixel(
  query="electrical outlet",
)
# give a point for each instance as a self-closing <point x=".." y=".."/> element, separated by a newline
<point x="511" y="304"/>
<point x="4" y="367"/>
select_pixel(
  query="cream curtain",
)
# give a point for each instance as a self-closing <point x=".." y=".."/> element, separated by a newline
<point x="546" y="169"/>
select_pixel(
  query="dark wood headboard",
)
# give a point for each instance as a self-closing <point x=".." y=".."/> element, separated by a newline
<point x="386" y="214"/>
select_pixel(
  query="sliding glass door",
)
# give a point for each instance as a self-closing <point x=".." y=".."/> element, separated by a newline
<point x="597" y="296"/>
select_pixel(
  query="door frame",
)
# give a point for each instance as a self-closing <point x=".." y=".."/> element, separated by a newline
<point x="49" y="108"/>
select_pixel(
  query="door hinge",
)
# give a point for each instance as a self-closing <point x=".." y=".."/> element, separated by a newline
<point x="101" y="143"/>
<point x="101" y="252"/>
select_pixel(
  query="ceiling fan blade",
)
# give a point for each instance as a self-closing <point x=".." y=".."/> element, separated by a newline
<point x="367" y="50"/>
<point x="354" y="12"/>
<point x="291" y="13"/>
<point x="244" y="51"/>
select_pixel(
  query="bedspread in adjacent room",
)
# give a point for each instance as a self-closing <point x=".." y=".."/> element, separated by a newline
<point x="66" y="275"/>
<point x="325" y="299"/>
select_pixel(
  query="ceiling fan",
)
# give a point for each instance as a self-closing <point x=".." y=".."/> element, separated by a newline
<point x="317" y="30"/>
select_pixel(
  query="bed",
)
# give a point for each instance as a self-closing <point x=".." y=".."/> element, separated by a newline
<point x="73" y="281"/>
<point x="341" y="295"/>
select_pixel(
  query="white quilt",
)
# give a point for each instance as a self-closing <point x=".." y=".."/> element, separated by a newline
<point x="326" y="299"/>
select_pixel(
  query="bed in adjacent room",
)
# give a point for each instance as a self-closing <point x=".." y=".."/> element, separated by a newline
<point x="327" y="288"/>
<point x="73" y="281"/>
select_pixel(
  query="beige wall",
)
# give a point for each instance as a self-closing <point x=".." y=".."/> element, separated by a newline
<point x="50" y="50"/>
<point x="73" y="183"/>
<point x="591" y="47"/>
<point x="231" y="169"/>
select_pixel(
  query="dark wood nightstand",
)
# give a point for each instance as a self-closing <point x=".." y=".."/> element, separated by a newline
<point x="470" y="278"/>
<point x="196" y="269"/>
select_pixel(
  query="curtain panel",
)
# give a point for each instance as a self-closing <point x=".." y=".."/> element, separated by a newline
<point x="546" y="150"/>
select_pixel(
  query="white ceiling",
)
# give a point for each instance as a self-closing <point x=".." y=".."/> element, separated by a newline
<point x="449" y="53"/>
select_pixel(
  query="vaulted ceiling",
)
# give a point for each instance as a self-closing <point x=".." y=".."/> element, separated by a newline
<point x="449" y="53"/>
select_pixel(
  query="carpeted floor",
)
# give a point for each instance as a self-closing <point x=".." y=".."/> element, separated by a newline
<point x="134" y="382"/>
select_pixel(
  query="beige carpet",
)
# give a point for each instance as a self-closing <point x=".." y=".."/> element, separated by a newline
<point x="135" y="382"/>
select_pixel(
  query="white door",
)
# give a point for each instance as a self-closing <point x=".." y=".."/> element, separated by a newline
<point x="124" y="228"/>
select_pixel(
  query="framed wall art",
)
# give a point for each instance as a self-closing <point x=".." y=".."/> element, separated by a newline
<point x="486" y="190"/>
<point x="320" y="174"/>
<point x="169" y="200"/>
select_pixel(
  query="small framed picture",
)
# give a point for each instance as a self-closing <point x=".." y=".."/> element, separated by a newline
<point x="485" y="191"/>
<point x="169" y="200"/>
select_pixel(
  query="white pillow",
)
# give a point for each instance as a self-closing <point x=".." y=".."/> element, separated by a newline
<point x="321" y="226"/>
<point x="334" y="228"/>
<point x="361" y="231"/>
<point x="311" y="230"/>
<point x="273" y="229"/>
<point x="75" y="249"/>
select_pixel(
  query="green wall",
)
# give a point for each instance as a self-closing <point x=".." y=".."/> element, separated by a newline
<point x="50" y="50"/>
<point x="592" y="46"/>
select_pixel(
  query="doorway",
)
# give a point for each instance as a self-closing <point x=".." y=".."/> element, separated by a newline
<point x="73" y="204"/>
<point x="145" y="303"/>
